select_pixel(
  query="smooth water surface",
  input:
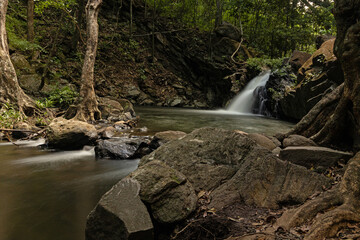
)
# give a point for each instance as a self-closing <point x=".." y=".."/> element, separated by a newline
<point x="162" y="119"/>
<point x="48" y="195"/>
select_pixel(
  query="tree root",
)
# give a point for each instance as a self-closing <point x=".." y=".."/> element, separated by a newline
<point x="331" y="211"/>
<point x="306" y="122"/>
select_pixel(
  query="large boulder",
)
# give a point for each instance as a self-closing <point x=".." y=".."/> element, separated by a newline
<point x="235" y="168"/>
<point x="168" y="193"/>
<point x="120" y="215"/>
<point x="70" y="134"/>
<point x="311" y="156"/>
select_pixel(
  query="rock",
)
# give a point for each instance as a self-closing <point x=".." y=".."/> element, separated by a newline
<point x="228" y="30"/>
<point x="119" y="148"/>
<point x="310" y="156"/>
<point x="268" y="182"/>
<point x="319" y="75"/>
<point x="298" y="140"/>
<point x="22" y="126"/>
<point x="166" y="136"/>
<point x="177" y="102"/>
<point x="21" y="64"/>
<point x="276" y="151"/>
<point x="127" y="106"/>
<point x="70" y="134"/>
<point x="321" y="39"/>
<point x="168" y="193"/>
<point x="297" y="59"/>
<point x="235" y="168"/>
<point x="30" y="82"/>
<point x="107" y="132"/>
<point x="121" y="125"/>
<point x="120" y="215"/>
<point x="262" y="140"/>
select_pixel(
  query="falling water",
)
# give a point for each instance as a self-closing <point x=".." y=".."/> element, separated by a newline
<point x="245" y="100"/>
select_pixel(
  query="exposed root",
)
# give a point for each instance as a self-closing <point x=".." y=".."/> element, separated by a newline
<point x="331" y="211"/>
<point x="308" y="120"/>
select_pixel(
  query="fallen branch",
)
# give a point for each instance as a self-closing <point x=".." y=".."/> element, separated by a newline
<point x="16" y="130"/>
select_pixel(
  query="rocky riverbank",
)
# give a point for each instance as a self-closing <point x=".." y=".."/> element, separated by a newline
<point x="216" y="183"/>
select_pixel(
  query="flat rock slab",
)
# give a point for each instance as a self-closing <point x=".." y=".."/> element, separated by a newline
<point x="310" y="156"/>
<point x="120" y="215"/>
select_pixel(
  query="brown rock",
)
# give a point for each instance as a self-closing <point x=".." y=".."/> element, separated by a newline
<point x="263" y="141"/>
<point x="298" y="140"/>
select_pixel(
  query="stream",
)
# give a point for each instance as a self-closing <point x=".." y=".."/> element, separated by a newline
<point x="47" y="195"/>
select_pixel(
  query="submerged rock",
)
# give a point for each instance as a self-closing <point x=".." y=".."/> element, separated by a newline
<point x="70" y="134"/>
<point x="120" y="215"/>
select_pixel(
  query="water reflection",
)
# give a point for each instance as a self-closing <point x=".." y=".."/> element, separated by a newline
<point x="47" y="195"/>
<point x="162" y="119"/>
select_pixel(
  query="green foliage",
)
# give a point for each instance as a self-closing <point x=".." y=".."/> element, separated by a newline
<point x="42" y="5"/>
<point x="258" y="64"/>
<point x="9" y="116"/>
<point x="61" y="98"/>
<point x="274" y="27"/>
<point x="16" y="31"/>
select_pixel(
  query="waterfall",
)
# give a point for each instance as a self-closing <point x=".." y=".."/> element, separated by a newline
<point x="244" y="102"/>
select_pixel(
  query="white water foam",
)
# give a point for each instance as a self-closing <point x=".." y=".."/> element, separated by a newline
<point x="57" y="157"/>
<point x="244" y="101"/>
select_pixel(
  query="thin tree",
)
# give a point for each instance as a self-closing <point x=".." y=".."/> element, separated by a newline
<point x="10" y="91"/>
<point x="30" y="21"/>
<point x="87" y="109"/>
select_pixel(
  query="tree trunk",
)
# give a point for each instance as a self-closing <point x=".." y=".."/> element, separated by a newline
<point x="218" y="17"/>
<point x="343" y="123"/>
<point x="79" y="18"/>
<point x="10" y="91"/>
<point x="30" y="21"/>
<point x="88" y="107"/>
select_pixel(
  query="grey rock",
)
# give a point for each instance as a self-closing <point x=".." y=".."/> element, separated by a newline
<point x="176" y="102"/>
<point x="236" y="168"/>
<point x="30" y="82"/>
<point x="310" y="156"/>
<point x="298" y="140"/>
<point x="119" y="148"/>
<point x="269" y="182"/>
<point x="70" y="134"/>
<point x="107" y="132"/>
<point x="168" y="193"/>
<point x="120" y="215"/>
